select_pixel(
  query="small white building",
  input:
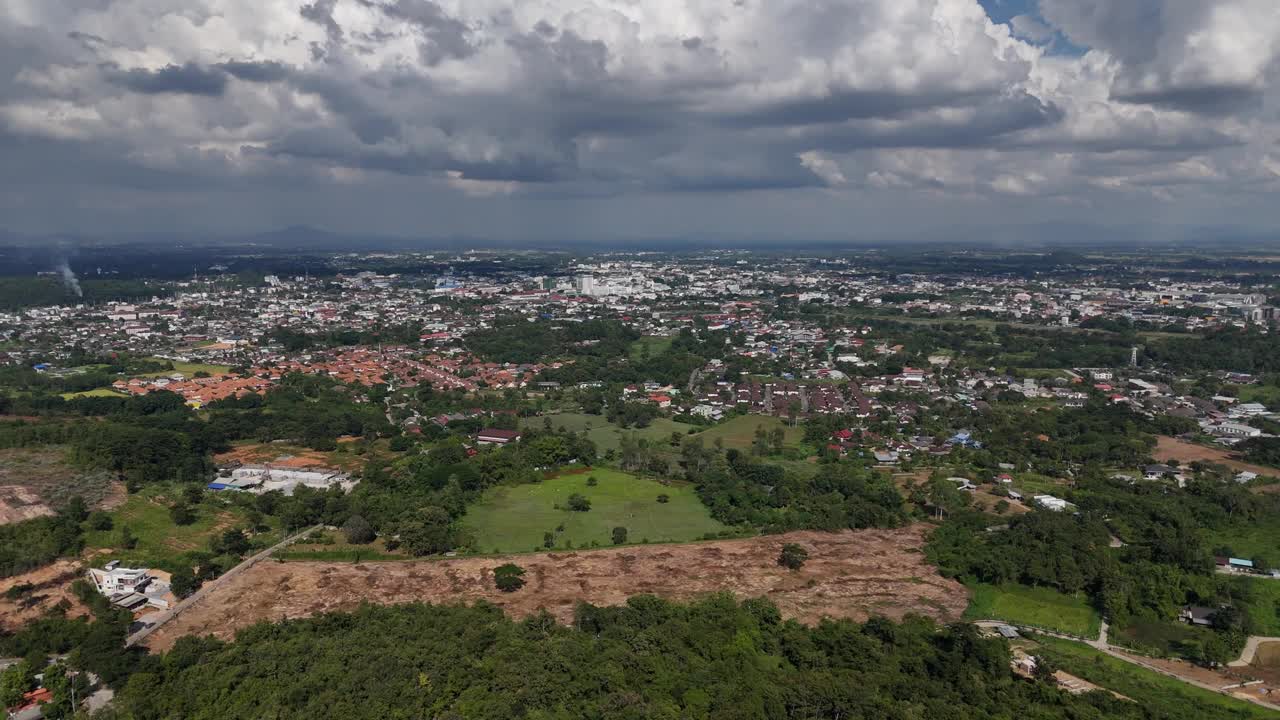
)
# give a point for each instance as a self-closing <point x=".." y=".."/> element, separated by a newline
<point x="1050" y="502"/>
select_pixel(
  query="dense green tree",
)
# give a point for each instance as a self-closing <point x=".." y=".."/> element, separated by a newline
<point x="793" y="556"/>
<point x="429" y="531"/>
<point x="645" y="659"/>
<point x="508" y="578"/>
<point x="358" y="531"/>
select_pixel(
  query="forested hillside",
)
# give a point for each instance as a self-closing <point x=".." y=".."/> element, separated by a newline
<point x="648" y="660"/>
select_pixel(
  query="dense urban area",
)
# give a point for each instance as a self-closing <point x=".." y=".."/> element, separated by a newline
<point x="879" y="483"/>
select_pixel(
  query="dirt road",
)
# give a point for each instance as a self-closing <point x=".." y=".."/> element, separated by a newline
<point x="853" y="574"/>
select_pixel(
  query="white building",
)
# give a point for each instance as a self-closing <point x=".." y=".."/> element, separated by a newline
<point x="259" y="479"/>
<point x="1230" y="429"/>
<point x="113" y="579"/>
<point x="131" y="588"/>
<point x="1050" y="502"/>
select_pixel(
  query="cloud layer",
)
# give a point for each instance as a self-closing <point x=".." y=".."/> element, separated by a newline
<point x="584" y="116"/>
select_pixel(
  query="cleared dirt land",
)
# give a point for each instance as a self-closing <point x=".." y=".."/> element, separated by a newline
<point x="1168" y="448"/>
<point x="853" y="574"/>
<point x="34" y="481"/>
<point x="47" y="587"/>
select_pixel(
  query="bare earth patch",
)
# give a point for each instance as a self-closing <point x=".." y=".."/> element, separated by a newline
<point x="853" y="574"/>
<point x="18" y="503"/>
<point x="1168" y="448"/>
<point x="35" y="481"/>
<point x="1219" y="678"/>
<point x="51" y="585"/>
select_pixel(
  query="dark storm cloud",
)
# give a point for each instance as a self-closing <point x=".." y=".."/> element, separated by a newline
<point x="258" y="72"/>
<point x="444" y="36"/>
<point x="320" y="12"/>
<point x="185" y="79"/>
<point x="988" y="124"/>
<point x="342" y="149"/>
<point x="1175" y="54"/>
<point x="849" y="105"/>
<point x="1219" y="100"/>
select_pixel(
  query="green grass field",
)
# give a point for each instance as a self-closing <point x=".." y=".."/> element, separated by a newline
<point x="1156" y="692"/>
<point x="1031" y="483"/>
<point x="189" y="369"/>
<point x="513" y="519"/>
<point x="146" y="514"/>
<point x="1041" y="607"/>
<point x="1268" y="395"/>
<point x="1262" y="603"/>
<point x="96" y="392"/>
<point x="605" y="434"/>
<point x="1158" y="637"/>
<point x="655" y="344"/>
<point x="1261" y="537"/>
<point x="738" y="432"/>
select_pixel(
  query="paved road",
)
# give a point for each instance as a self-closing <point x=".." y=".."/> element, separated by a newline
<point x="171" y="613"/>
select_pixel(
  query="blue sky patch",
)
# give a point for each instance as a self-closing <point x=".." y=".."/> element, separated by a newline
<point x="1003" y="11"/>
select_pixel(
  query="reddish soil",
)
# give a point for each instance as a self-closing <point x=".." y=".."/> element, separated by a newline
<point x="1219" y="678"/>
<point x="1266" y="666"/>
<point x="1168" y="448"/>
<point x="848" y="575"/>
<point x="52" y="584"/>
<point x="18" y="503"/>
<point x="255" y="454"/>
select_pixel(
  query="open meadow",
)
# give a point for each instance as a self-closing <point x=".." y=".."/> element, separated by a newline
<point x="189" y="369"/>
<point x="607" y="435"/>
<point x="740" y="431"/>
<point x="159" y="540"/>
<point x="515" y="518"/>
<point x="1035" y="606"/>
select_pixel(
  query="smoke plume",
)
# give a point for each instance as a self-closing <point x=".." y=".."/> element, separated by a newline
<point x="69" y="279"/>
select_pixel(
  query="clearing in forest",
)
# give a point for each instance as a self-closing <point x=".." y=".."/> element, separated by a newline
<point x="36" y="481"/>
<point x="851" y="574"/>
<point x="515" y="518"/>
<point x="1168" y="448"/>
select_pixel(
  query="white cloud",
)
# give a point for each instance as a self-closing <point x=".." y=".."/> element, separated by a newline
<point x="490" y="98"/>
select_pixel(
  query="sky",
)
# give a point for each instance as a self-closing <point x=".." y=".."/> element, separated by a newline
<point x="782" y="120"/>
